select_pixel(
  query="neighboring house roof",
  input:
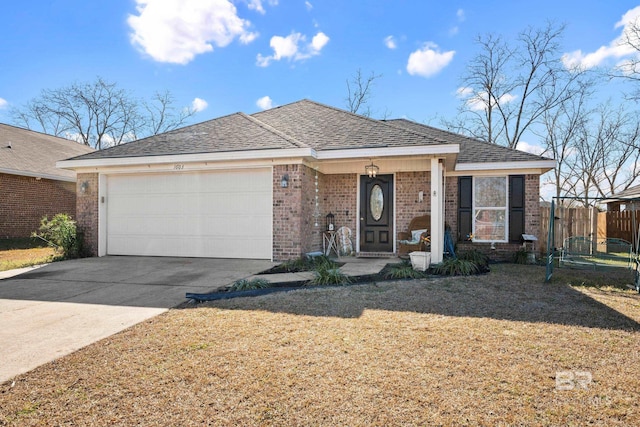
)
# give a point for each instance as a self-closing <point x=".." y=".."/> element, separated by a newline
<point x="631" y="193"/>
<point x="471" y="150"/>
<point x="316" y="128"/>
<point x="29" y="153"/>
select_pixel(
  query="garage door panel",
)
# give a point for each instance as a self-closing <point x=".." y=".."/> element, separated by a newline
<point x="206" y="214"/>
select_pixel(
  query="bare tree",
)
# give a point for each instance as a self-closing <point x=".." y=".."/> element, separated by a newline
<point x="629" y="69"/>
<point x="508" y="87"/>
<point x="606" y="156"/>
<point x="359" y="92"/>
<point x="562" y="132"/>
<point x="98" y="114"/>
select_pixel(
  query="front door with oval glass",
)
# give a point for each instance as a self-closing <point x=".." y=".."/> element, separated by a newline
<point x="376" y="213"/>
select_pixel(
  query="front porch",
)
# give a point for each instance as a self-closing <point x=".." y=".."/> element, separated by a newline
<point x="340" y="188"/>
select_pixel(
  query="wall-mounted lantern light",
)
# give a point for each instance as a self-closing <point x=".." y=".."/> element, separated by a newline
<point x="284" y="183"/>
<point x="84" y="186"/>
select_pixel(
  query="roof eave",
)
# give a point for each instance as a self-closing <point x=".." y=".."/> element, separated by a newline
<point x="38" y="175"/>
<point x="543" y="165"/>
<point x="420" y="150"/>
<point x="186" y="158"/>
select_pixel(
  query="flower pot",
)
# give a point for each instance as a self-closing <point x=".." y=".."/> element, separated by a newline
<point x="420" y="260"/>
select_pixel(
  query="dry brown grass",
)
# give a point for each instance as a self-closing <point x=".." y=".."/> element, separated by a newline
<point x="453" y="351"/>
<point x="18" y="258"/>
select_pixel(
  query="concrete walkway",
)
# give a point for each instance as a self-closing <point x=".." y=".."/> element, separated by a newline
<point x="48" y="312"/>
<point x="352" y="267"/>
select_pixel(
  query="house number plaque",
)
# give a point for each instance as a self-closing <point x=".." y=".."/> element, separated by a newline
<point x="178" y="166"/>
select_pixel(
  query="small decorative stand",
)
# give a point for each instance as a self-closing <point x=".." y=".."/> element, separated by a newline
<point x="329" y="243"/>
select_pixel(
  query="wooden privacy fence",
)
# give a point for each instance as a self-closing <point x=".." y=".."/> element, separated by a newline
<point x="588" y="222"/>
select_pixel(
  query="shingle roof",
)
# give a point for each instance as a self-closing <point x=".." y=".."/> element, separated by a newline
<point x="471" y="150"/>
<point x="235" y="132"/>
<point x="327" y="128"/>
<point x="308" y="124"/>
<point x="35" y="154"/>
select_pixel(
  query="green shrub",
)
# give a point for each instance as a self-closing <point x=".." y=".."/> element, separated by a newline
<point x="248" y="285"/>
<point x="402" y="270"/>
<point x="61" y="233"/>
<point x="328" y="274"/>
<point x="456" y="267"/>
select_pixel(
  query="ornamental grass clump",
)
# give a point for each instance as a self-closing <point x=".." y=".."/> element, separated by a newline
<point x="477" y="257"/>
<point x="402" y="270"/>
<point x="327" y="274"/>
<point x="456" y="267"/>
<point x="249" y="285"/>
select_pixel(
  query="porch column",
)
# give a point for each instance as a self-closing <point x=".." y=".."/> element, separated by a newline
<point x="437" y="211"/>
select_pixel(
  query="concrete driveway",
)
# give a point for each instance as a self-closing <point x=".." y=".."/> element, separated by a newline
<point x="48" y="312"/>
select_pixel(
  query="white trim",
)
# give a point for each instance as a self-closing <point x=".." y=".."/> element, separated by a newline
<point x="261" y="155"/>
<point x="358" y="222"/>
<point x="533" y="164"/>
<point x="187" y="158"/>
<point x="506" y="209"/>
<point x="352" y="153"/>
<point x="37" y="175"/>
<point x="102" y="214"/>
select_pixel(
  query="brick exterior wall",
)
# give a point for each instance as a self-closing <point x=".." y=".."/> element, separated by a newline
<point x="340" y="197"/>
<point x="87" y="212"/>
<point x="25" y="200"/>
<point x="408" y="185"/>
<point x="294" y="230"/>
<point x="502" y="251"/>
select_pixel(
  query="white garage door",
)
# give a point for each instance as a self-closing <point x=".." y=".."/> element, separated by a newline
<point x="221" y="214"/>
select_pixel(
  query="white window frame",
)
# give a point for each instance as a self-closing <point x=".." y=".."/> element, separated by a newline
<point x="506" y="209"/>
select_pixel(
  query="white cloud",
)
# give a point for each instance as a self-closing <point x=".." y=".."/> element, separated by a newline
<point x="479" y="101"/>
<point x="265" y="103"/>
<point x="428" y="61"/>
<point x="460" y="15"/>
<point x="390" y="42"/>
<point x="199" y="104"/>
<point x="319" y="41"/>
<point x="530" y="148"/>
<point x="617" y="48"/>
<point x="3" y="103"/>
<point x="293" y="47"/>
<point x="308" y="5"/>
<point x="257" y="5"/>
<point x="175" y="31"/>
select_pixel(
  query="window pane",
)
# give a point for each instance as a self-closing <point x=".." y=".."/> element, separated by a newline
<point x="490" y="224"/>
<point x="490" y="192"/>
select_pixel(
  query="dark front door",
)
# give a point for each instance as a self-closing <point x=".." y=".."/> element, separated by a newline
<point x="376" y="213"/>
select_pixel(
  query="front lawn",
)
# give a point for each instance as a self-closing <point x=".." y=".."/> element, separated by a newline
<point x="496" y="349"/>
<point x="19" y="253"/>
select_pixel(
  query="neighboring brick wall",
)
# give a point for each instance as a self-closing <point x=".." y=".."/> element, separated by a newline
<point x="87" y="211"/>
<point x="408" y="185"/>
<point x="25" y="200"/>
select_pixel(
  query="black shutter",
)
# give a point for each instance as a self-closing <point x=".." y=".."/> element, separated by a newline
<point x="516" y="207"/>
<point x="465" y="206"/>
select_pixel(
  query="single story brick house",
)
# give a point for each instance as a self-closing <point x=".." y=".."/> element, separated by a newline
<point x="30" y="184"/>
<point x="259" y="186"/>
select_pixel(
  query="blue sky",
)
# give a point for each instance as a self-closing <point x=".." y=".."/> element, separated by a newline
<point x="225" y="56"/>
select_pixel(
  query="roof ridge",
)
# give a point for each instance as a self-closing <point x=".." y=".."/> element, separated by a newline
<point x="275" y="131"/>
<point x="359" y="116"/>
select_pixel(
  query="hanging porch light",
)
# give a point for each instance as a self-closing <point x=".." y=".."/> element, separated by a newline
<point x="372" y="170"/>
